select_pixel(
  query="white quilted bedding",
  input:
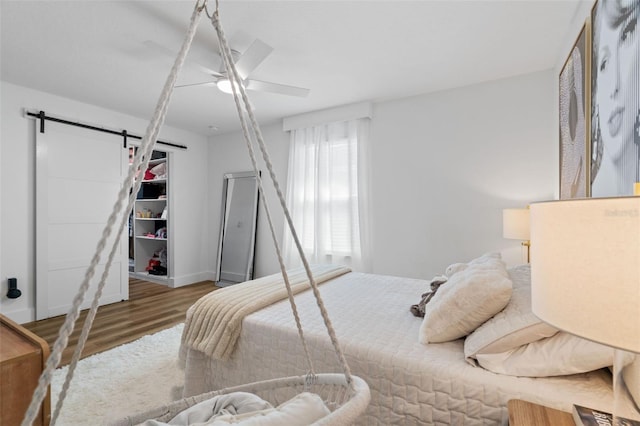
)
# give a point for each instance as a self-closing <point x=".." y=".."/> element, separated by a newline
<point x="411" y="383"/>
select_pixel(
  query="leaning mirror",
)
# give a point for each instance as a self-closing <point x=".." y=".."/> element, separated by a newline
<point x="236" y="247"/>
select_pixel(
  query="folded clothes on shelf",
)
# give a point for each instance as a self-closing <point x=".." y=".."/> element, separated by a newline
<point x="158" y="270"/>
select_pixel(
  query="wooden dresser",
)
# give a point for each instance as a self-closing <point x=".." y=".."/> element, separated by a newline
<point x="22" y="359"/>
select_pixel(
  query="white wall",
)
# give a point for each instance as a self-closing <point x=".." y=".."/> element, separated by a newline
<point x="17" y="172"/>
<point x="444" y="165"/>
<point x="583" y="12"/>
<point x="228" y="154"/>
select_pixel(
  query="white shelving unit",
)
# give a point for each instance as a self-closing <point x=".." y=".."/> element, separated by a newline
<point x="150" y="233"/>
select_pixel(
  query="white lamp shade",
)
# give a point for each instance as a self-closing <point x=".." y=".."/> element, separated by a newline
<point x="585" y="273"/>
<point x="515" y="224"/>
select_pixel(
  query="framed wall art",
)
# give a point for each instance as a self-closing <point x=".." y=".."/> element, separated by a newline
<point x="574" y="128"/>
<point x="615" y="90"/>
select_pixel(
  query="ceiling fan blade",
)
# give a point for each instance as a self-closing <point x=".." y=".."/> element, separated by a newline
<point x="282" y="89"/>
<point x="252" y="57"/>
<point x="160" y="50"/>
<point x="204" y="83"/>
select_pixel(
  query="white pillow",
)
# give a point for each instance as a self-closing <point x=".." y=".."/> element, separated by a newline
<point x="454" y="268"/>
<point x="559" y="355"/>
<point x="301" y="410"/>
<point x="469" y="298"/>
<point x="457" y="267"/>
<point x="514" y="326"/>
<point x="487" y="257"/>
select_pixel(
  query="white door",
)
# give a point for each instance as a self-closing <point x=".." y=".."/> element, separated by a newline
<point x="78" y="176"/>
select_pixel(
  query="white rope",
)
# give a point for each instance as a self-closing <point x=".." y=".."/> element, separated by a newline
<point x="227" y="58"/>
<point x="141" y="162"/>
<point x="232" y="73"/>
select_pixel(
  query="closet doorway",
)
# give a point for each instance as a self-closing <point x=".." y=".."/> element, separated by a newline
<point x="150" y="225"/>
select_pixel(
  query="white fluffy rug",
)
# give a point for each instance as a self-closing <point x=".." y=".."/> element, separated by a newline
<point x="127" y="379"/>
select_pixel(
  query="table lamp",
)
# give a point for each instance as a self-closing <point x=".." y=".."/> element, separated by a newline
<point x="515" y="226"/>
<point x="585" y="279"/>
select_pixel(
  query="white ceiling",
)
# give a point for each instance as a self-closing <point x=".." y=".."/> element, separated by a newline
<point x="343" y="51"/>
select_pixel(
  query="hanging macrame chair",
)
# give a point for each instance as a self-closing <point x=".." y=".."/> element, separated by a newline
<point x="346" y="396"/>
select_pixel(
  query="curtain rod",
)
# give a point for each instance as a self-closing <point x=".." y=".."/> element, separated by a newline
<point x="42" y="117"/>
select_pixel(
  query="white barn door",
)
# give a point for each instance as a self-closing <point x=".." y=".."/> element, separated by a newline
<point x="78" y="176"/>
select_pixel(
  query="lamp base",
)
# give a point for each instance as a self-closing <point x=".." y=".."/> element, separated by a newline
<point x="527" y="245"/>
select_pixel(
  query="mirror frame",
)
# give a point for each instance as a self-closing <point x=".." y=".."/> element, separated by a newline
<point x="248" y="272"/>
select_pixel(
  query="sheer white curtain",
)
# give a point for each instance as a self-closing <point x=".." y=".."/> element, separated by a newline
<point x="327" y="194"/>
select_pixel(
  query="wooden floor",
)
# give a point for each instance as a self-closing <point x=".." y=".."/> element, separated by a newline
<point x="150" y="308"/>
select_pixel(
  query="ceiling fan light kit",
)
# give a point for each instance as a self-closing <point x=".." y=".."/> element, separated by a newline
<point x="225" y="85"/>
<point x="245" y="62"/>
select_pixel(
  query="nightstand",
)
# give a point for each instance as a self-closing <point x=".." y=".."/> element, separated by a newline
<point x="524" y="413"/>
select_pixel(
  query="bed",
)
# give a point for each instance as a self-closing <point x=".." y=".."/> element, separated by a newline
<point x="411" y="383"/>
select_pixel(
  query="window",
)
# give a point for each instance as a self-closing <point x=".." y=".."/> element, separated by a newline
<point x="326" y="193"/>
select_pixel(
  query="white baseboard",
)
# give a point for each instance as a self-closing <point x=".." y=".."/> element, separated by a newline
<point x="193" y="278"/>
<point x="20" y="316"/>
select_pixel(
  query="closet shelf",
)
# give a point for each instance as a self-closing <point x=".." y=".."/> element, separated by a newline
<point x="150" y="237"/>
<point x="157" y="161"/>
<point x="148" y="277"/>
<point x="142" y="237"/>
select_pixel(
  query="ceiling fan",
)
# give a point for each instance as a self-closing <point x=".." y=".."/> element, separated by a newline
<point x="245" y="63"/>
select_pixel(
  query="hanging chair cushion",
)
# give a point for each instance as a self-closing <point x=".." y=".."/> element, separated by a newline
<point x="227" y="404"/>
<point x="242" y="408"/>
<point x="301" y="410"/>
